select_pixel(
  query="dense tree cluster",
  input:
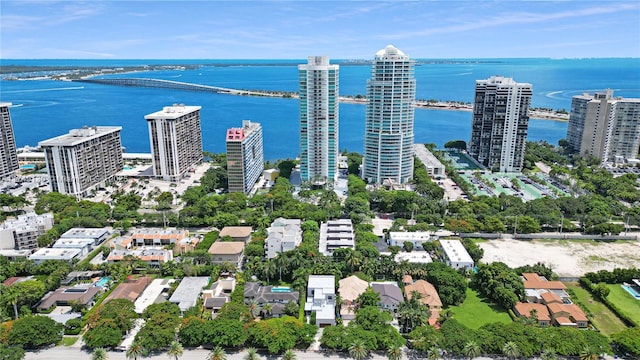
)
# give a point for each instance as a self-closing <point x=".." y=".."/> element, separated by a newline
<point x="372" y="326"/>
<point x="107" y="324"/>
<point x="32" y="332"/>
<point x="499" y="283"/>
<point x="529" y="340"/>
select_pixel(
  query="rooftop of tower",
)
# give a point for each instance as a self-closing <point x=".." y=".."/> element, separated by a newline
<point x="391" y="52"/>
<point x="172" y="112"/>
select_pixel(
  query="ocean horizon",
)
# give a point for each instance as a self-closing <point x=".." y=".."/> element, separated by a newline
<point x="46" y="108"/>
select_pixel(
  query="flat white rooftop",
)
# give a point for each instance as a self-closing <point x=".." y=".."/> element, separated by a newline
<point x="455" y="251"/>
<point x="78" y="136"/>
<point x="172" y="112"/>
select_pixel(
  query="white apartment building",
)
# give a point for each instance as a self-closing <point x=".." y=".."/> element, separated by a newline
<point x="83" y="159"/>
<point x="500" y="123"/>
<point x="398" y="238"/>
<point x="8" y="155"/>
<point x="176" y="140"/>
<point x="388" y="134"/>
<point x="97" y="235"/>
<point x="336" y="234"/>
<point x="321" y="298"/>
<point x="245" y="156"/>
<point x="604" y="127"/>
<point x="456" y="256"/>
<point x="319" y="120"/>
<point x="284" y="235"/>
<point x="22" y="232"/>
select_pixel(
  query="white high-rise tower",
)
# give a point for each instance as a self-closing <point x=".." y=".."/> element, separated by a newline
<point x="388" y="135"/>
<point x="318" y="120"/>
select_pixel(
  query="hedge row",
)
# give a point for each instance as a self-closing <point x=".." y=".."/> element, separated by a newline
<point x="587" y="284"/>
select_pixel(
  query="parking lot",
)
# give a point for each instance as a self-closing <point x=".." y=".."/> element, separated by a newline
<point x="527" y="188"/>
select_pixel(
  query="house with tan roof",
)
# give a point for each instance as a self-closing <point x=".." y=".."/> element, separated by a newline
<point x="237" y="233"/>
<point x="227" y="252"/>
<point x="349" y="289"/>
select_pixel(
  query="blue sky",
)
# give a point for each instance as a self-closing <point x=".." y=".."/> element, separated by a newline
<point x="295" y="29"/>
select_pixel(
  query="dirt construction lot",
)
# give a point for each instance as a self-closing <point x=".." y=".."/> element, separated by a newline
<point x="566" y="258"/>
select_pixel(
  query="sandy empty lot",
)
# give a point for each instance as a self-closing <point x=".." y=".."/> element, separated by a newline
<point x="566" y="258"/>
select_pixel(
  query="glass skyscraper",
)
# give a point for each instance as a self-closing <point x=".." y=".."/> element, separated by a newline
<point x="318" y="120"/>
<point x="388" y="135"/>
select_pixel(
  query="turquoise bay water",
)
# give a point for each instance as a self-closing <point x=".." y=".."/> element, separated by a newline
<point x="46" y="108"/>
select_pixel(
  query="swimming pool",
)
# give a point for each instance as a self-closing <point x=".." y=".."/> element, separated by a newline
<point x="281" y="289"/>
<point x="103" y="281"/>
<point x="28" y="167"/>
<point x="631" y="291"/>
<point x="127" y="167"/>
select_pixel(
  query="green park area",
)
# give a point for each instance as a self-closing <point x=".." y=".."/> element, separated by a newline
<point x="600" y="315"/>
<point x="624" y="301"/>
<point x="475" y="312"/>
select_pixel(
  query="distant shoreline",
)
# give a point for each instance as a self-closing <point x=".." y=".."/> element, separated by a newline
<point x="89" y="72"/>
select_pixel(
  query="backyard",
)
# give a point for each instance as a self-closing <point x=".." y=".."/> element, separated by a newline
<point x="624" y="301"/>
<point x="601" y="317"/>
<point x="475" y="312"/>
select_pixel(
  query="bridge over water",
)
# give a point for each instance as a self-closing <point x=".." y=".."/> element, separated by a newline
<point x="169" y="84"/>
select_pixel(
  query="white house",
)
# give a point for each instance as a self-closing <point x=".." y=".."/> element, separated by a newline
<point x="284" y="235"/>
<point x="456" y="255"/>
<point x="321" y="299"/>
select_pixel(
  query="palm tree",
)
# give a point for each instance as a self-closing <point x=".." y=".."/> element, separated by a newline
<point x="251" y="354"/>
<point x="254" y="308"/>
<point x="394" y="353"/>
<point x="588" y="354"/>
<point x="548" y="354"/>
<point x="358" y="350"/>
<point x="99" y="354"/>
<point x="511" y="350"/>
<point x="10" y="295"/>
<point x="217" y="353"/>
<point x="175" y="350"/>
<point x="134" y="351"/>
<point x="267" y="309"/>
<point x="289" y="355"/>
<point x="353" y="259"/>
<point x="471" y="349"/>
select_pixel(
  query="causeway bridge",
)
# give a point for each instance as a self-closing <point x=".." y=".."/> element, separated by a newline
<point x="169" y="84"/>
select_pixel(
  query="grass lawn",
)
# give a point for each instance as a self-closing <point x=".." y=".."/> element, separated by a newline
<point x="624" y="301"/>
<point x="602" y="318"/>
<point x="475" y="312"/>
<point x="69" y="340"/>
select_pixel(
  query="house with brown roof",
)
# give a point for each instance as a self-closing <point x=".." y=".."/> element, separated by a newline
<point x="131" y="289"/>
<point x="237" y="233"/>
<point x="428" y="292"/>
<point x="528" y="310"/>
<point x="227" y="252"/>
<point x="551" y="303"/>
<point x="535" y="286"/>
<point x="568" y="315"/>
<point x="66" y="296"/>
